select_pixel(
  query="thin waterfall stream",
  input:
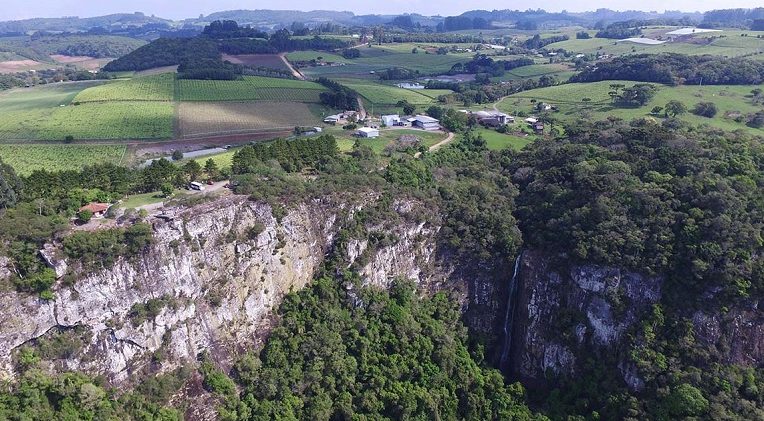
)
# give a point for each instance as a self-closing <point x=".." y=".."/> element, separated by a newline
<point x="509" y="317"/>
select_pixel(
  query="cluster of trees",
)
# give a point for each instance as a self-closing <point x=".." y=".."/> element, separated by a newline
<point x="397" y="356"/>
<point x="740" y="18"/>
<point x="398" y="73"/>
<point x="166" y="52"/>
<point x="339" y="97"/>
<point x="103" y="248"/>
<point x="482" y="63"/>
<point x="634" y="96"/>
<point x="460" y="23"/>
<point x="536" y="42"/>
<point x="231" y="29"/>
<point x="663" y="203"/>
<point x="292" y="155"/>
<point x="672" y="69"/>
<point x="351" y="53"/>
<point x="209" y="69"/>
<point x="621" y="30"/>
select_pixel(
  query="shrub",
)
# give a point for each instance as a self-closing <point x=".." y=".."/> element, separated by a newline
<point x="705" y="109"/>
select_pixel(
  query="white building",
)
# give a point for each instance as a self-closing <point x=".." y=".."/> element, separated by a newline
<point x="391" y="120"/>
<point x="426" y="123"/>
<point x="368" y="132"/>
<point x="408" y="85"/>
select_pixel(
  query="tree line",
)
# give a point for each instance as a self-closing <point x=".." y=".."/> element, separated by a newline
<point x="676" y="69"/>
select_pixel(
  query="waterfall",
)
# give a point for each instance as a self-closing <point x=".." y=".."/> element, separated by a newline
<point x="509" y="317"/>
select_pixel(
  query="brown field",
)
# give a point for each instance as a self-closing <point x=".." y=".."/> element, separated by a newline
<point x="205" y="118"/>
<point x="272" y="61"/>
<point x="83" y="62"/>
<point x="19" y="66"/>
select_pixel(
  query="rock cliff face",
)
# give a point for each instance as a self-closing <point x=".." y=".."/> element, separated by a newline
<point x="566" y="313"/>
<point x="213" y="276"/>
<point x="216" y="273"/>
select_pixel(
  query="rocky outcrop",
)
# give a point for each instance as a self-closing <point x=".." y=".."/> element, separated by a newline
<point x="567" y="311"/>
<point x="737" y="335"/>
<point x="215" y="278"/>
<point x="214" y="274"/>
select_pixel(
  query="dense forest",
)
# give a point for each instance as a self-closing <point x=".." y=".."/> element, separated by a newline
<point x="676" y="69"/>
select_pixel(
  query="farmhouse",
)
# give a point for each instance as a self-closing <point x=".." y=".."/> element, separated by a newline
<point x="391" y="120"/>
<point x="426" y="123"/>
<point x="97" y="209"/>
<point x="368" y="132"/>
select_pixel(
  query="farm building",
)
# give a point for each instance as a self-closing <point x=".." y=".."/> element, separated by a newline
<point x="391" y="120"/>
<point x="538" y="128"/>
<point x="531" y="120"/>
<point x="493" y="118"/>
<point x="97" y="209"/>
<point x="368" y="132"/>
<point x="407" y="85"/>
<point x="426" y="123"/>
<point x="333" y="119"/>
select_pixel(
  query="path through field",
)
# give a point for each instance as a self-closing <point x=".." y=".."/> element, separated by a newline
<point x="438" y="145"/>
<point x="295" y="72"/>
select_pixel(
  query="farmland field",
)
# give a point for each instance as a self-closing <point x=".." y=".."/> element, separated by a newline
<point x="27" y="158"/>
<point x="568" y="97"/>
<point x="730" y="44"/>
<point x="148" y="88"/>
<point x="272" y="61"/>
<point x="252" y="88"/>
<point x="115" y="120"/>
<point x="200" y="118"/>
<point x="379" y="94"/>
<point x="314" y="55"/>
<point x="43" y="96"/>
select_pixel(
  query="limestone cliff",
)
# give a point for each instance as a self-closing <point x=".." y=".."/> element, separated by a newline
<point x="216" y="272"/>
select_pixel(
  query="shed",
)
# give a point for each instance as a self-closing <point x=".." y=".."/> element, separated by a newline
<point x="368" y="132"/>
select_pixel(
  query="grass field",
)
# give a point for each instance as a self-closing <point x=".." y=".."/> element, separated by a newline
<point x="346" y="140"/>
<point x="43" y="96"/>
<point x="27" y="158"/>
<point x="252" y="88"/>
<point x="148" y="88"/>
<point x="200" y="118"/>
<point x="496" y="141"/>
<point x="568" y="98"/>
<point x="379" y="94"/>
<point x="378" y="58"/>
<point x="138" y="200"/>
<point x="730" y="44"/>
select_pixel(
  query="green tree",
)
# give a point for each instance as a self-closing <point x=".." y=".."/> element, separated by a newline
<point x="167" y="189"/>
<point x="192" y="169"/>
<point x="211" y="169"/>
<point x="10" y="186"/>
<point x="705" y="109"/>
<point x="85" y="216"/>
<point x="674" y="108"/>
<point x="177" y="155"/>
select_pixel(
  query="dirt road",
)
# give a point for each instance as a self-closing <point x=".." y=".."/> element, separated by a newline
<point x="296" y="73"/>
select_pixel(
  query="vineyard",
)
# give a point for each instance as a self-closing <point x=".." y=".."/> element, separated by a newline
<point x="149" y="88"/>
<point x="200" y="118"/>
<point x="251" y="88"/>
<point x="27" y="158"/>
<point x="114" y="120"/>
<point x="271" y="61"/>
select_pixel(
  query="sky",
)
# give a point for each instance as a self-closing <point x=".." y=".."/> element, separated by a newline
<point x="177" y="9"/>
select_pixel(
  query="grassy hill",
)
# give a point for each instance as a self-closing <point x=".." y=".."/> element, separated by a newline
<point x="568" y="98"/>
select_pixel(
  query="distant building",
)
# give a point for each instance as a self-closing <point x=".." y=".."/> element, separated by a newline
<point x="97" y="209"/>
<point x="368" y="132"/>
<point x="531" y="120"/>
<point x="333" y="119"/>
<point x="426" y="123"/>
<point x="407" y="85"/>
<point x="538" y="128"/>
<point x="391" y="120"/>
